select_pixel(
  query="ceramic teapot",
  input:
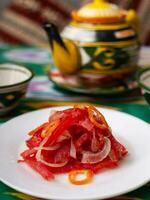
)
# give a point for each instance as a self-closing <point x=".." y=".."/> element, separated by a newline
<point x="101" y="43"/>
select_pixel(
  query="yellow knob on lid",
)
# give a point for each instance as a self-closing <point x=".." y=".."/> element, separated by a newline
<point x="99" y="11"/>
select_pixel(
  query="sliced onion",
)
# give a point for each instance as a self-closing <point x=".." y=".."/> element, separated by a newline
<point x="112" y="156"/>
<point x="72" y="150"/>
<point x="87" y="124"/>
<point x="94" y="143"/>
<point x="92" y="158"/>
<point x="50" y="148"/>
<point x="40" y="158"/>
<point x="66" y="135"/>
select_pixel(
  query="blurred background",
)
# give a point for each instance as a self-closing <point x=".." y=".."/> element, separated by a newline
<point x="20" y="20"/>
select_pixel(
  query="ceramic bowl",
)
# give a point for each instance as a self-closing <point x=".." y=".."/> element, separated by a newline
<point x="144" y="82"/>
<point x="14" y="80"/>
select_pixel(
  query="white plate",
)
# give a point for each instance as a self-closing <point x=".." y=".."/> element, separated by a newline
<point x="133" y="171"/>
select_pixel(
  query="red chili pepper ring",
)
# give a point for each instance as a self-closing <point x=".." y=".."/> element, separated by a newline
<point x="73" y="177"/>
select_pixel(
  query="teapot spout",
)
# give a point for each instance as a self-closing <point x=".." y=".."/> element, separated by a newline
<point x="65" y="53"/>
<point x="53" y="35"/>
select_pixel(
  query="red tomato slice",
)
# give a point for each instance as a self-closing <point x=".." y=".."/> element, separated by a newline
<point x="71" y="119"/>
<point x="43" y="170"/>
<point x="118" y="148"/>
<point x="28" y="153"/>
<point x="34" y="141"/>
<point x="105" y="164"/>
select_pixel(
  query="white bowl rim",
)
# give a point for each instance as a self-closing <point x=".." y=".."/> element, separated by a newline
<point x="12" y="67"/>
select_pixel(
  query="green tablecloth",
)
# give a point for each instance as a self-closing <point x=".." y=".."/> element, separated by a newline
<point x="42" y="93"/>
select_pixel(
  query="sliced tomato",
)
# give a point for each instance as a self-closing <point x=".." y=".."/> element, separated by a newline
<point x="105" y="164"/>
<point x="118" y="148"/>
<point x="72" y="164"/>
<point x="82" y="139"/>
<point x="71" y="119"/>
<point x="43" y="170"/>
<point x="28" y="153"/>
<point x="34" y="141"/>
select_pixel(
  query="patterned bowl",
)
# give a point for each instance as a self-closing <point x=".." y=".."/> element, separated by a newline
<point x="14" y="80"/>
<point x="143" y="77"/>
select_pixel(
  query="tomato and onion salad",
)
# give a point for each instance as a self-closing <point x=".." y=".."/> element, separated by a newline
<point x="77" y="140"/>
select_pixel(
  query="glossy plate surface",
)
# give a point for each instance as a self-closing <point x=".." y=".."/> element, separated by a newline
<point x="132" y="172"/>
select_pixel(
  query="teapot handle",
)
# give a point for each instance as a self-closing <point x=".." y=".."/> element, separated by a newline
<point x="133" y="20"/>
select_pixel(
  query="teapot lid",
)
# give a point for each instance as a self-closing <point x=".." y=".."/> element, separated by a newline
<point x="99" y="11"/>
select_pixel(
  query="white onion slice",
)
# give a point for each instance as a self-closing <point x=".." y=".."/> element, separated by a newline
<point x="87" y="124"/>
<point x="65" y="136"/>
<point x="40" y="159"/>
<point x="92" y="158"/>
<point x="50" y="148"/>
<point x="72" y="150"/>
